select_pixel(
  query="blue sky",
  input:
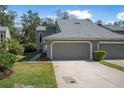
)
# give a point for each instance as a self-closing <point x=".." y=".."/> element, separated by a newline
<point x="94" y="12"/>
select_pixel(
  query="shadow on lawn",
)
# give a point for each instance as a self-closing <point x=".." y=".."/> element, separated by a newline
<point x="27" y="57"/>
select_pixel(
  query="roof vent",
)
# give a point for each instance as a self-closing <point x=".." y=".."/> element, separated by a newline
<point x="77" y="22"/>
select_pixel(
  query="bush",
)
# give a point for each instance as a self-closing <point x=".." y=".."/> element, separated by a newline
<point x="18" y="50"/>
<point x="6" y="61"/>
<point x="2" y="47"/>
<point x="99" y="55"/>
<point x="29" y="47"/>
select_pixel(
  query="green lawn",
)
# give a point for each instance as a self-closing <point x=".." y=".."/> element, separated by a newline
<point x="36" y="75"/>
<point x="112" y="65"/>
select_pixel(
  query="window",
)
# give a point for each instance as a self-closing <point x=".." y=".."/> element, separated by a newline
<point x="40" y="38"/>
<point x="2" y="38"/>
<point x="45" y="47"/>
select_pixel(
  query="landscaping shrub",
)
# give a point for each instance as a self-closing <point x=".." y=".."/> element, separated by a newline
<point x="99" y="55"/>
<point x="17" y="50"/>
<point x="6" y="61"/>
<point x="13" y="46"/>
<point x="2" y="47"/>
<point x="29" y="47"/>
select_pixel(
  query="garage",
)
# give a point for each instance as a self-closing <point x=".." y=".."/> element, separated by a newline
<point x="71" y="50"/>
<point x="114" y="50"/>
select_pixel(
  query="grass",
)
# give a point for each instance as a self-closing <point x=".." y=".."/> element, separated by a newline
<point x="38" y="75"/>
<point x="19" y="57"/>
<point x="121" y="68"/>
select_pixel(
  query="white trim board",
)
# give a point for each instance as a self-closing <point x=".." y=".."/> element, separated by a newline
<point x="71" y="42"/>
<point x="108" y="43"/>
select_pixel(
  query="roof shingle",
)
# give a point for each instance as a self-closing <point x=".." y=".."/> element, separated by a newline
<point x="85" y="30"/>
<point x="114" y="28"/>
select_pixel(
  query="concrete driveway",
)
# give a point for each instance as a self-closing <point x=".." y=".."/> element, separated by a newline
<point x="117" y="62"/>
<point x="81" y="74"/>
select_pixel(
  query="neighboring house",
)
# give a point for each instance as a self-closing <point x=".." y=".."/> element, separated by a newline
<point x="77" y="39"/>
<point x="115" y="28"/>
<point x="41" y="32"/>
<point x="4" y="34"/>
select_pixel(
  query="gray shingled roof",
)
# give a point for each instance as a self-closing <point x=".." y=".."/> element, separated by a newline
<point x="41" y="28"/>
<point x="45" y="29"/>
<point x="3" y="28"/>
<point x="114" y="28"/>
<point x="75" y="29"/>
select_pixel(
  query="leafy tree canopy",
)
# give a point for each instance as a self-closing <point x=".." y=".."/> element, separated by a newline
<point x="7" y="18"/>
<point x="29" y="22"/>
<point x="64" y="15"/>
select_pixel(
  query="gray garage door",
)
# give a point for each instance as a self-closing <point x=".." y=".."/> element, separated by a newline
<point x="71" y="51"/>
<point x="114" y="51"/>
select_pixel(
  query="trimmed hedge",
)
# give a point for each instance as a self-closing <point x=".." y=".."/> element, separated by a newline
<point x="99" y="55"/>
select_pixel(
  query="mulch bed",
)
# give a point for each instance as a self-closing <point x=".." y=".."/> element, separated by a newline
<point x="43" y="57"/>
<point x="5" y="74"/>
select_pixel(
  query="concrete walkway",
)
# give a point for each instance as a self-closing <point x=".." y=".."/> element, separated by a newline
<point x="117" y="62"/>
<point x="82" y="74"/>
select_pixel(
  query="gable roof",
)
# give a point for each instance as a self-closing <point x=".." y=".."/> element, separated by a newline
<point x="75" y="29"/>
<point x="114" y="28"/>
<point x="43" y="28"/>
<point x="3" y="28"/>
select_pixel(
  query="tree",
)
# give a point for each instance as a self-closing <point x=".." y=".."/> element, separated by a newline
<point x="99" y="22"/>
<point x="119" y="23"/>
<point x="64" y="15"/>
<point x="29" y="22"/>
<point x="7" y="18"/>
<point x="48" y="22"/>
<point x="3" y="8"/>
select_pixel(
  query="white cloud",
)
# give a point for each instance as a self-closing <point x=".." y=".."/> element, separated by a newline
<point x="120" y="16"/>
<point x="80" y="14"/>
